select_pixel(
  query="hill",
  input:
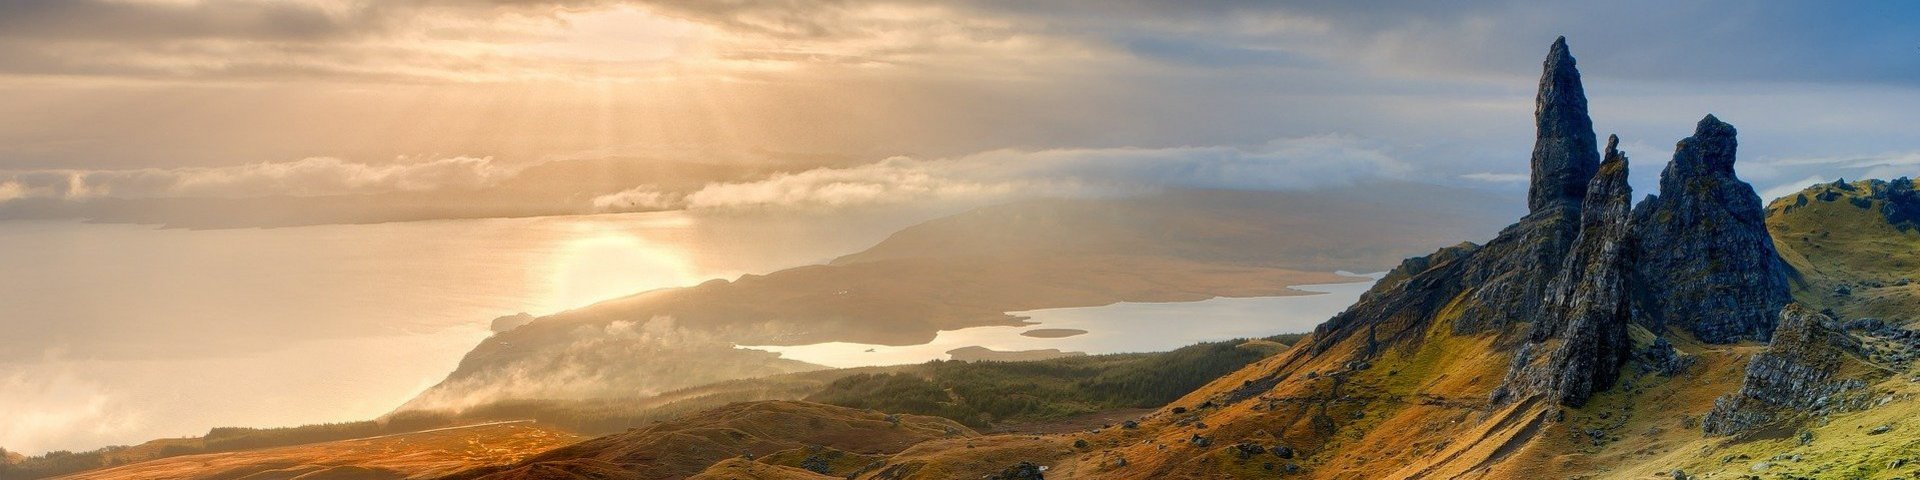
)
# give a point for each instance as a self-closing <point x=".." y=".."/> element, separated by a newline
<point x="421" y="454"/>
<point x="1023" y="256"/>
<point x="685" y="447"/>
<point x="1047" y="394"/>
<point x="1852" y="245"/>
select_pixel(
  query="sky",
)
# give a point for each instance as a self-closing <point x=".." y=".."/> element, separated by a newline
<point x="878" y="101"/>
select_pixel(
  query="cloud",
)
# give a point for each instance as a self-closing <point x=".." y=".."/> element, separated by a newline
<point x="1492" y="177"/>
<point x="1822" y="169"/>
<point x="1296" y="163"/>
<point x="641" y="198"/>
<point x="305" y="177"/>
<point x="50" y="405"/>
<point x="1790" y="188"/>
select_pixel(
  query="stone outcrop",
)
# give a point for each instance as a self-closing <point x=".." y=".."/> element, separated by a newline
<point x="1577" y="348"/>
<point x="1564" y="152"/>
<point x="1803" y="371"/>
<point x="1563" y="285"/>
<point x="1513" y="280"/>
<point x="1532" y="273"/>
<point x="1706" y="263"/>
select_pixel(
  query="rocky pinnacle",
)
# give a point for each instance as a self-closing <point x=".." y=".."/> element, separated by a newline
<point x="1564" y="153"/>
<point x="1577" y="346"/>
<point x="1707" y="264"/>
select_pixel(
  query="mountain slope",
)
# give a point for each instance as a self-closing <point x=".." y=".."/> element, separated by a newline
<point x="1851" y="245"/>
<point x="422" y="454"/>
<point x="685" y="447"/>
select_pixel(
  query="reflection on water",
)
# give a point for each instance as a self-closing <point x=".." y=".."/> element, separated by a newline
<point x="123" y="333"/>
<point x="1116" y="328"/>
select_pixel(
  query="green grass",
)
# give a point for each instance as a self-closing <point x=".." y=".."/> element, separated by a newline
<point x="1834" y="242"/>
<point x="980" y="394"/>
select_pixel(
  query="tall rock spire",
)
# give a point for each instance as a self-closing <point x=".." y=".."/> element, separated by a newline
<point x="1564" y="160"/>
<point x="1577" y="346"/>
<point x="1707" y="264"/>
<point x="1564" y="153"/>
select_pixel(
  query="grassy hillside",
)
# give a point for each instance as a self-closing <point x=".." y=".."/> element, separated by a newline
<point x="1854" y="247"/>
<point x="426" y="454"/>
<point x="979" y="394"/>
<point x="985" y="393"/>
<point x="686" y="446"/>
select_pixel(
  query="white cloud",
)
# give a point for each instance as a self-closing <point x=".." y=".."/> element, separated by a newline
<point x="50" y="405"/>
<point x="10" y="190"/>
<point x="1821" y="169"/>
<point x="1295" y="163"/>
<point x="644" y="197"/>
<point x="1491" y="177"/>
<point x="1790" y="188"/>
<point x="305" y="177"/>
<point x="620" y="359"/>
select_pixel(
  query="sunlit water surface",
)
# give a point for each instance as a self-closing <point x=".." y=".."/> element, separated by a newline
<point x="1117" y="328"/>
<point x="116" y="334"/>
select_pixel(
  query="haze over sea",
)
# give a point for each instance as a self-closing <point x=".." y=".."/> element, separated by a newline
<point x="119" y="334"/>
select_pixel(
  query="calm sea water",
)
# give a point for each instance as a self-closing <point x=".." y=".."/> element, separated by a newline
<point x="1117" y="328"/>
<point x="115" y="334"/>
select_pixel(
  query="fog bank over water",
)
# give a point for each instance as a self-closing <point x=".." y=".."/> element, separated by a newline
<point x="124" y="333"/>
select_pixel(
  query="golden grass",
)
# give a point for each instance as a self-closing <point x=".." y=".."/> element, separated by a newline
<point x="424" y="454"/>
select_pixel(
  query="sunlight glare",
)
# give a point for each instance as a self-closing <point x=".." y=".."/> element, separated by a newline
<point x="602" y="264"/>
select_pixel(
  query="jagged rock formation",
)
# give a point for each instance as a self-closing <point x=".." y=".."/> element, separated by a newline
<point x="1507" y="281"/>
<point x="1513" y="283"/>
<point x="1804" y="370"/>
<point x="1564" y="151"/>
<point x="1706" y="262"/>
<point x="1577" y="348"/>
<point x="1579" y="269"/>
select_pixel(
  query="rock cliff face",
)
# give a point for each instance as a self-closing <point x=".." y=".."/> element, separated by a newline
<point x="1513" y="279"/>
<point x="1578" y="347"/>
<point x="1564" y="153"/>
<point x="1706" y="262"/>
<point x="1562" y="285"/>
<point x="1803" y="371"/>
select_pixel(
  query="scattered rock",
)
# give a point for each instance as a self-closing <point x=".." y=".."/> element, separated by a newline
<point x="1246" y="450"/>
<point x="1021" y="471"/>
<point x="1282" y="451"/>
<point x="1798" y="372"/>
